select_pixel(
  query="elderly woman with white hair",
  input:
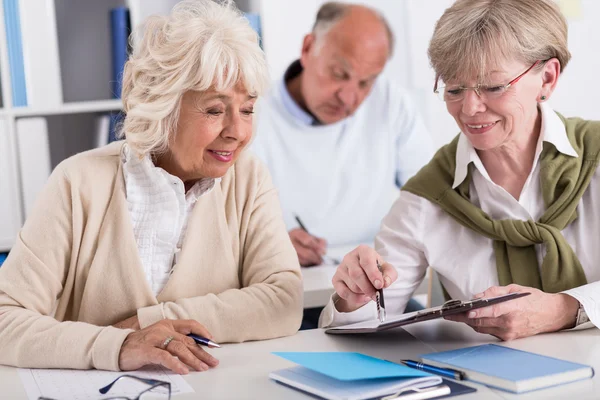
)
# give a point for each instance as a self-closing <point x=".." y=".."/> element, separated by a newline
<point x="512" y="203"/>
<point x="175" y="230"/>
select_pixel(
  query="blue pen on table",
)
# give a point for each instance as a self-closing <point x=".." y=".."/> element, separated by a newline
<point x="445" y="372"/>
<point x="203" y="341"/>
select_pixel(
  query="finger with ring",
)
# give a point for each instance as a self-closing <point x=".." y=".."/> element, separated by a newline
<point x="167" y="341"/>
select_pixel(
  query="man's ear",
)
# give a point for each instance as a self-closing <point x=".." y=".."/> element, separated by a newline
<point x="550" y="75"/>
<point x="308" y="43"/>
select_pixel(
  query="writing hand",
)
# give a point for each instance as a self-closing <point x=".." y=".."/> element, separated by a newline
<point x="310" y="249"/>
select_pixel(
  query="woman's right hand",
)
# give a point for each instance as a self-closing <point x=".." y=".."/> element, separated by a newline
<point x="357" y="278"/>
<point x="145" y="347"/>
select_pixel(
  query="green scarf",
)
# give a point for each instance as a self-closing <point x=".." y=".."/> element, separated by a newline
<point x="564" y="179"/>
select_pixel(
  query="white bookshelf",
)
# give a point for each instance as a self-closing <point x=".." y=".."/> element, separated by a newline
<point x="70" y="108"/>
<point x="84" y="54"/>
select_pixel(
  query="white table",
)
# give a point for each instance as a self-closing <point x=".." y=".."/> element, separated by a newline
<point x="243" y="369"/>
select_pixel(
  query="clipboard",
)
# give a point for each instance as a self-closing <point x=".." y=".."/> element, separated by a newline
<point x="448" y="308"/>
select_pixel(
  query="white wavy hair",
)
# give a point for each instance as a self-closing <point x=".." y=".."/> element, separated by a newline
<point x="202" y="44"/>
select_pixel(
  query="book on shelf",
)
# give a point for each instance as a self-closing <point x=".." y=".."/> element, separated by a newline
<point x="102" y="130"/>
<point x="41" y="58"/>
<point x="107" y="128"/>
<point x="34" y="157"/>
<point x="33" y="56"/>
<point x="120" y="29"/>
<point x="10" y="199"/>
<point x="12" y="26"/>
<point x="139" y="10"/>
<point x="509" y="369"/>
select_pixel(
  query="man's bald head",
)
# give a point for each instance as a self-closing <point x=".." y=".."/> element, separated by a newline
<point x="341" y="59"/>
<point x="353" y="22"/>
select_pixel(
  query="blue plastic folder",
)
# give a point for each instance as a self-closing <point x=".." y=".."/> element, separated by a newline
<point x="351" y="366"/>
<point x="352" y="376"/>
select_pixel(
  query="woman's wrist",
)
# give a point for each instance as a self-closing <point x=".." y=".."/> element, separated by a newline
<point x="568" y="308"/>
<point x="343" y="306"/>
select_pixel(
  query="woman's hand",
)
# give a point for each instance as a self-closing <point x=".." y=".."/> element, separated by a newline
<point x="147" y="346"/>
<point x="357" y="278"/>
<point x="129" y="323"/>
<point x="537" y="313"/>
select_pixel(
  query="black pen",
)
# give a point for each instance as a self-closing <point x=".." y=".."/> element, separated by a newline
<point x="326" y="258"/>
<point x="203" y="341"/>
<point x="445" y="372"/>
<point x="301" y="224"/>
<point x="380" y="300"/>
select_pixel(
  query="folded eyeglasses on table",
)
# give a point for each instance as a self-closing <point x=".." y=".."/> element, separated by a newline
<point x="157" y="390"/>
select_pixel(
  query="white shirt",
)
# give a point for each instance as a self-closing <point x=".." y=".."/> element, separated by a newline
<point x="417" y="233"/>
<point x="341" y="178"/>
<point x="160" y="209"/>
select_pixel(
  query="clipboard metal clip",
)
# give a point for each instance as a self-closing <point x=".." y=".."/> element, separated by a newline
<point x="419" y="393"/>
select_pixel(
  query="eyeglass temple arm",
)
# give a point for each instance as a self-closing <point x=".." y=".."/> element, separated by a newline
<point x="153" y="382"/>
<point x="161" y="383"/>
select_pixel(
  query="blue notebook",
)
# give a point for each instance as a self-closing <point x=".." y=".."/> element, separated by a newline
<point x="509" y="369"/>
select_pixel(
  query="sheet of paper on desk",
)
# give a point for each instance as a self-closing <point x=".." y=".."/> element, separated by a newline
<point x="83" y="385"/>
<point x="374" y="323"/>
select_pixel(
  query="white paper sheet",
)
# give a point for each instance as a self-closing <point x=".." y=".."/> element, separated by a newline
<point x="374" y="323"/>
<point x="63" y="384"/>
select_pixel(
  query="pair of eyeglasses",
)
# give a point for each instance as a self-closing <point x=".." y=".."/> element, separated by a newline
<point x="157" y="390"/>
<point x="454" y="93"/>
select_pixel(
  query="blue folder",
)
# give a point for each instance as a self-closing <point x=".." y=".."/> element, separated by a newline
<point x="120" y="28"/>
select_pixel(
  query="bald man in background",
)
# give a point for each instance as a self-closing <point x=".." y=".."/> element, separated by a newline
<point x="338" y="138"/>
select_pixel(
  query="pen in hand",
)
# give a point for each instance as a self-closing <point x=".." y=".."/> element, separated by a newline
<point x="380" y="300"/>
<point x="445" y="372"/>
<point x="327" y="259"/>
<point x="203" y="341"/>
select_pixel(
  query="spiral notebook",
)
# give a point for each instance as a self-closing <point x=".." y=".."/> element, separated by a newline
<point x="355" y="376"/>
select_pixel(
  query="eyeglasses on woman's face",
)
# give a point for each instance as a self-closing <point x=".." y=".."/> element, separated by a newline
<point x="454" y="93"/>
<point x="157" y="390"/>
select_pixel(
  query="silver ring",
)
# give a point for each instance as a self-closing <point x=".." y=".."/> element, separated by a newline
<point x="167" y="341"/>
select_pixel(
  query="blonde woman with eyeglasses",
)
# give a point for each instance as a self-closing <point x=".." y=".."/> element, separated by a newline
<point x="176" y="230"/>
<point x="512" y="203"/>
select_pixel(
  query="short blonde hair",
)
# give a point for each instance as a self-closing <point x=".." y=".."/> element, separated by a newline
<point x="473" y="35"/>
<point x="202" y="44"/>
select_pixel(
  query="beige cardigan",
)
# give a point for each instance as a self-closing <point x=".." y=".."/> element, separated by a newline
<point x="75" y="269"/>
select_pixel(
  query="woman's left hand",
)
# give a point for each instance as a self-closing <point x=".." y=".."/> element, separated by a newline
<point x="537" y="313"/>
<point x="129" y="323"/>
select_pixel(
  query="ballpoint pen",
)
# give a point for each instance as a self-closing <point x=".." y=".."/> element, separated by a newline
<point x="326" y="258"/>
<point x="203" y="341"/>
<point x="446" y="372"/>
<point x="380" y="300"/>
